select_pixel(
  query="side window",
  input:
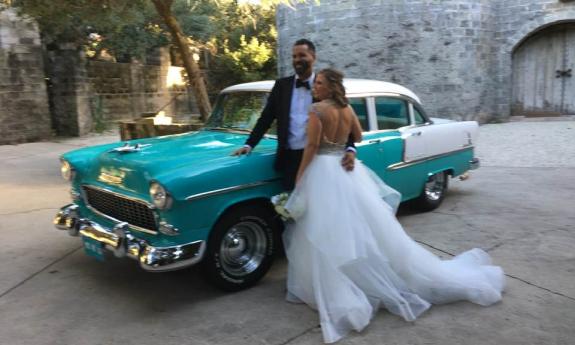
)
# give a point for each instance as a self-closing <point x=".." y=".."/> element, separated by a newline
<point x="419" y="118"/>
<point x="391" y="113"/>
<point x="360" y="108"/>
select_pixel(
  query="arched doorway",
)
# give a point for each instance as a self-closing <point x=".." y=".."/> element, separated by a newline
<point x="544" y="72"/>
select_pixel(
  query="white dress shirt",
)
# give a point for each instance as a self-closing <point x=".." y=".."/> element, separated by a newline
<point x="301" y="100"/>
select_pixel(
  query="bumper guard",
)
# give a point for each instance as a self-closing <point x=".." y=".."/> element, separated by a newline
<point x="122" y="243"/>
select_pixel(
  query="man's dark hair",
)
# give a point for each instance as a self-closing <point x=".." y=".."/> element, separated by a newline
<point x="308" y="43"/>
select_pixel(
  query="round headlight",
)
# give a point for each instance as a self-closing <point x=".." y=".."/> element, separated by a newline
<point x="160" y="196"/>
<point x="66" y="170"/>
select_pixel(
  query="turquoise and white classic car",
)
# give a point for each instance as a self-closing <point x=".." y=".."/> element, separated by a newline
<point x="174" y="201"/>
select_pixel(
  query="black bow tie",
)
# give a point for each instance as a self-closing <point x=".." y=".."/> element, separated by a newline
<point x="299" y="83"/>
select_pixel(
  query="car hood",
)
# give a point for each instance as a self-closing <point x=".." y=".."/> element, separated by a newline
<point x="164" y="159"/>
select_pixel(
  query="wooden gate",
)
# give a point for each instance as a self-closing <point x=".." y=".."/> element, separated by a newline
<point x="544" y="73"/>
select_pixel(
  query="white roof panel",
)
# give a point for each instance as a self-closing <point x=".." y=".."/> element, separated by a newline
<point x="352" y="87"/>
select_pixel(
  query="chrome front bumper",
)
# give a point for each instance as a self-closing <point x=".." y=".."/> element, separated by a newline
<point x="122" y="243"/>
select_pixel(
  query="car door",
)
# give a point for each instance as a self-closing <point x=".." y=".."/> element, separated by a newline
<point x="393" y="118"/>
<point x="374" y="150"/>
<point x="437" y="138"/>
<point x="367" y="150"/>
<point x="413" y="136"/>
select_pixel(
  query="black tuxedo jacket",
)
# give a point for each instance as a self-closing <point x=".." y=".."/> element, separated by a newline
<point x="277" y="108"/>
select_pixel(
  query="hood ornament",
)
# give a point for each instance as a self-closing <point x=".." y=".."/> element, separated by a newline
<point x="127" y="148"/>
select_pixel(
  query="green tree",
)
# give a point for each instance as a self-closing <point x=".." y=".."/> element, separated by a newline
<point x="239" y="37"/>
<point x="245" y="50"/>
<point x="164" y="8"/>
<point x="125" y="27"/>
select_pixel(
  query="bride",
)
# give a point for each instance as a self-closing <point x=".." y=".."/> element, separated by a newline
<point x="348" y="255"/>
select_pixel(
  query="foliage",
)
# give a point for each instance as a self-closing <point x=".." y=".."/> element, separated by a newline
<point x="237" y="38"/>
<point x="244" y="50"/>
<point x="120" y="27"/>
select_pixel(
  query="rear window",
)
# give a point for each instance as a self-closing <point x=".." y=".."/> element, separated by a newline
<point x="391" y="113"/>
<point x="419" y="118"/>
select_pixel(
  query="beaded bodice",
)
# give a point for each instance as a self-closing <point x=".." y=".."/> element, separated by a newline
<point x="327" y="146"/>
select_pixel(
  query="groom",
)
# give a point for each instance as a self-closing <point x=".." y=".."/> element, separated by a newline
<point x="288" y="104"/>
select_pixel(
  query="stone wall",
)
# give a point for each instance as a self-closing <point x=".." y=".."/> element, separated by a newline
<point x="455" y="54"/>
<point x="69" y="91"/>
<point x="56" y="90"/>
<point x="127" y="90"/>
<point x="24" y="114"/>
<point x="89" y="95"/>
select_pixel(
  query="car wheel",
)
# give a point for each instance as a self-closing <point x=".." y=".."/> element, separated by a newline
<point x="433" y="192"/>
<point x="241" y="247"/>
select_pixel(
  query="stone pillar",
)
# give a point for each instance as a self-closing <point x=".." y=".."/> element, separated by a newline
<point x="69" y="90"/>
<point x="24" y="112"/>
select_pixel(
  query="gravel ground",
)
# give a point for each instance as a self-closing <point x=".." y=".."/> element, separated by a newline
<point x="527" y="144"/>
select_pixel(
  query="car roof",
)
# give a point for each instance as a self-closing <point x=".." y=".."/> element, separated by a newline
<point x="353" y="87"/>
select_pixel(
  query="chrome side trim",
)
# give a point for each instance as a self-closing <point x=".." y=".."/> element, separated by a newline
<point x="375" y="141"/>
<point x="402" y="165"/>
<point x="230" y="189"/>
<point x="380" y="131"/>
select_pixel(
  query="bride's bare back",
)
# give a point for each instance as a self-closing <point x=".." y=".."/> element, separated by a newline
<point x="336" y="123"/>
<point x="328" y="123"/>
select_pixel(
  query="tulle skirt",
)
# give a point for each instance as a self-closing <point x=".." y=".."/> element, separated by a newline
<point x="349" y="256"/>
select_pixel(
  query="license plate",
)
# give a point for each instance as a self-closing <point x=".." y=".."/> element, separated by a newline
<point x="93" y="248"/>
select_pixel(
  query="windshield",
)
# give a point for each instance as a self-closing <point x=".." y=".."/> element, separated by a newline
<point x="238" y="110"/>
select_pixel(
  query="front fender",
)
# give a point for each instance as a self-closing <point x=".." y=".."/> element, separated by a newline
<point x="201" y="196"/>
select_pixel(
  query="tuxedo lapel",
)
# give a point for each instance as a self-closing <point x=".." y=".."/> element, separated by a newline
<point x="289" y="93"/>
<point x="284" y="111"/>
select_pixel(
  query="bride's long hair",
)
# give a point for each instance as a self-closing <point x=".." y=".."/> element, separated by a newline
<point x="335" y="84"/>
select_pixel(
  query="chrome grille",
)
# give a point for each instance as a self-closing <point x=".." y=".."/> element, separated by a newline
<point x="121" y="208"/>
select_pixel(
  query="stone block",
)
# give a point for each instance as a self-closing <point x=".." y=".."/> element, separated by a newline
<point x="484" y="32"/>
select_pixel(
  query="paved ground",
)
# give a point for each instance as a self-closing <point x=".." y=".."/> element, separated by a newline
<point x="518" y="206"/>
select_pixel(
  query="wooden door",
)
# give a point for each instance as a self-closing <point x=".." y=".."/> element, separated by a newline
<point x="569" y="70"/>
<point x="543" y="69"/>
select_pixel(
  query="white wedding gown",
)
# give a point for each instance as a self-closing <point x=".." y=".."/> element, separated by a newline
<point x="348" y="255"/>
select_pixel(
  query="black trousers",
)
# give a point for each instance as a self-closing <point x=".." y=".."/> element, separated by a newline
<point x="289" y="167"/>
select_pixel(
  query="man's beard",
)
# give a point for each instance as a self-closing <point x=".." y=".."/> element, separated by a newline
<point x="301" y="67"/>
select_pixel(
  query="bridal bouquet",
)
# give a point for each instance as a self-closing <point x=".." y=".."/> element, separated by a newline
<point x="289" y="206"/>
<point x="279" y="202"/>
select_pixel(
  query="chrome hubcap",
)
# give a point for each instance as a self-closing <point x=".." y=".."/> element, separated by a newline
<point x="243" y="248"/>
<point x="435" y="186"/>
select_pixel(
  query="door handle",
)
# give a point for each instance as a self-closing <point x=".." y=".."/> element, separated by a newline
<point x="374" y="141"/>
<point x="561" y="74"/>
<point x="416" y="134"/>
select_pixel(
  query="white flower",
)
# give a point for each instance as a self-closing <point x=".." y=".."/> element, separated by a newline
<point x="94" y="36"/>
<point x="279" y="202"/>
